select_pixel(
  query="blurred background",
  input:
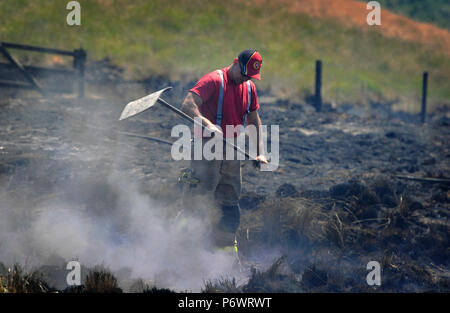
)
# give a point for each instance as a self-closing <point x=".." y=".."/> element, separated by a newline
<point x="182" y="40"/>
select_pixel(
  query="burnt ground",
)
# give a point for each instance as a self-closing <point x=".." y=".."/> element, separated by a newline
<point x="335" y="203"/>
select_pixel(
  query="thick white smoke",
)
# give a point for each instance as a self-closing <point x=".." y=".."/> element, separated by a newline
<point x="102" y="219"/>
<point x="135" y="236"/>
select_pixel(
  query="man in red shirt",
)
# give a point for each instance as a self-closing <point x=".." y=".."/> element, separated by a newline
<point x="220" y="98"/>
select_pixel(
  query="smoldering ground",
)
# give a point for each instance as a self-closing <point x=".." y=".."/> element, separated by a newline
<point x="71" y="188"/>
<point x="135" y="235"/>
<point x="80" y="194"/>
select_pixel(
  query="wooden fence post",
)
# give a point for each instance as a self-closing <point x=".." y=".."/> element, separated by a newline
<point x="79" y="63"/>
<point x="423" y="113"/>
<point x="318" y="95"/>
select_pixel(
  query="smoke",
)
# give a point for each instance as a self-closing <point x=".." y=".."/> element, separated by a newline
<point x="95" y="210"/>
<point x="134" y="235"/>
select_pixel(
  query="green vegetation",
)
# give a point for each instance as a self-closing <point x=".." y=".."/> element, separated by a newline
<point x="429" y="11"/>
<point x="184" y="39"/>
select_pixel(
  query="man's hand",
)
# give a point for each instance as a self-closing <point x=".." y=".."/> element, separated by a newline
<point x="211" y="129"/>
<point x="260" y="159"/>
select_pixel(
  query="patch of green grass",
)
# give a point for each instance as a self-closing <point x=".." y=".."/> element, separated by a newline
<point x="185" y="39"/>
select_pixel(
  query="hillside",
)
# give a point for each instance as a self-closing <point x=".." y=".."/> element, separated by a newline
<point x="184" y="39"/>
<point x="436" y="12"/>
<point x="353" y="13"/>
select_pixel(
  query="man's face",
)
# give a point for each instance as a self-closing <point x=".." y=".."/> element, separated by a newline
<point x="241" y="78"/>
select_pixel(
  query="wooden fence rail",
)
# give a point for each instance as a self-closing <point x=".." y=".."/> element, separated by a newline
<point x="79" y="61"/>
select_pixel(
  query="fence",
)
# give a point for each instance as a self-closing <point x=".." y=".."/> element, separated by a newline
<point x="318" y="92"/>
<point x="79" y="60"/>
